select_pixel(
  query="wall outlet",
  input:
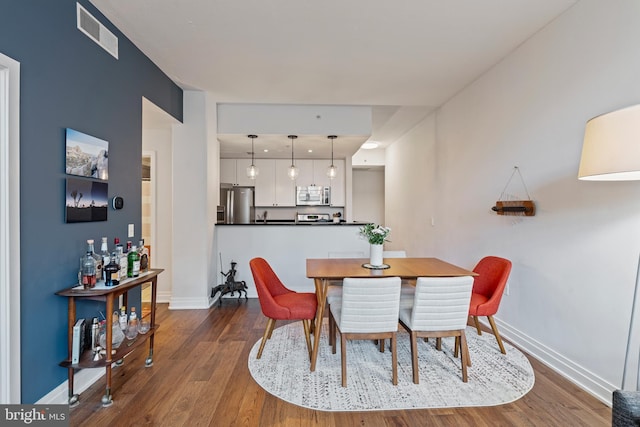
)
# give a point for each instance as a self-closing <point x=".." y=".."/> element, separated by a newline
<point x="131" y="231"/>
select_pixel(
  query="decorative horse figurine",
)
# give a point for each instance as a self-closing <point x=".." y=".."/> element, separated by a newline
<point x="230" y="285"/>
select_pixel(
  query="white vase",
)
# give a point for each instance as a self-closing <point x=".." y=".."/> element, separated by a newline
<point x="375" y="255"/>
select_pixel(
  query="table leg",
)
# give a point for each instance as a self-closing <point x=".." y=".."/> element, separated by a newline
<point x="73" y="399"/>
<point x="154" y="290"/>
<point x="107" y="399"/>
<point x="321" y="295"/>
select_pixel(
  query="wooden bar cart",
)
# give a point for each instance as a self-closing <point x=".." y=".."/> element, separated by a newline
<point x="109" y="295"/>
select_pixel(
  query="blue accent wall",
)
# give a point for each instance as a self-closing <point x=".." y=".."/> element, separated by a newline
<point x="68" y="81"/>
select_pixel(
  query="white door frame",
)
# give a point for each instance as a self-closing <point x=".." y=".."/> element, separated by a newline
<point x="152" y="196"/>
<point x="9" y="230"/>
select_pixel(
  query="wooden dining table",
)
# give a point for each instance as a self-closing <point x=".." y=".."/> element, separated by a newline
<point x="324" y="270"/>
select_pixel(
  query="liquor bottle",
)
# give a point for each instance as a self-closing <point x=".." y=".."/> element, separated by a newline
<point x="96" y="257"/>
<point x="144" y="256"/>
<point x="104" y="253"/>
<point x="133" y="262"/>
<point x="88" y="271"/>
<point x="112" y="272"/>
<point x="122" y="319"/>
<point x="121" y="259"/>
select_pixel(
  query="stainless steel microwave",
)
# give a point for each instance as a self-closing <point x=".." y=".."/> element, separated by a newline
<point x="313" y="195"/>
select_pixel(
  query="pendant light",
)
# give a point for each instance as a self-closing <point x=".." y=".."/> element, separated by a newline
<point x="293" y="170"/>
<point x="332" y="171"/>
<point x="252" y="171"/>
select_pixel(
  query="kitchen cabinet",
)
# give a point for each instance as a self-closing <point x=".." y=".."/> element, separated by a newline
<point x="337" y="183"/>
<point x="305" y="174"/>
<point x="273" y="185"/>
<point x="314" y="172"/>
<point x="234" y="171"/>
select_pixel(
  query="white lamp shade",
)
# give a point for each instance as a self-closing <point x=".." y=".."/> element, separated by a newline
<point x="611" y="147"/>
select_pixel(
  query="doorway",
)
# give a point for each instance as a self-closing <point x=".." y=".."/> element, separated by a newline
<point x="148" y="218"/>
<point x="157" y="197"/>
<point x="9" y="231"/>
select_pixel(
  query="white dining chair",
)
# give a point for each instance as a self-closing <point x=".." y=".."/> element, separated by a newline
<point x="369" y="309"/>
<point x="334" y="290"/>
<point x="440" y="309"/>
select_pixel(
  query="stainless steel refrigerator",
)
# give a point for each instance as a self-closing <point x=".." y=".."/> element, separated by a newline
<point x="238" y="204"/>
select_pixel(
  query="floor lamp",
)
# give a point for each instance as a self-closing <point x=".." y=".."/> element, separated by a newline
<point x="611" y="152"/>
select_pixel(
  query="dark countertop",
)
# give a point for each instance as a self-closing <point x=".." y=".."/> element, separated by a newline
<point x="304" y="224"/>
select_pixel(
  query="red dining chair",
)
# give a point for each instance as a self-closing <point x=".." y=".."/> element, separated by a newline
<point x="488" y="288"/>
<point x="279" y="303"/>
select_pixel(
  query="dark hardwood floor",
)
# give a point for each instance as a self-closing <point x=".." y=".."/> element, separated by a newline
<point x="200" y="378"/>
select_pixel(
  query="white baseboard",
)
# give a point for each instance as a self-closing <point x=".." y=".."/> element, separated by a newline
<point x="163" y="297"/>
<point x="583" y="378"/>
<point x="82" y="380"/>
<point x="189" y="303"/>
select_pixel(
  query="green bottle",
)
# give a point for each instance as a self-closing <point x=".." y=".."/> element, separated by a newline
<point x="133" y="263"/>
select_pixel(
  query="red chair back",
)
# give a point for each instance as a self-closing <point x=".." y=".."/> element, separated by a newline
<point x="268" y="286"/>
<point x="493" y="273"/>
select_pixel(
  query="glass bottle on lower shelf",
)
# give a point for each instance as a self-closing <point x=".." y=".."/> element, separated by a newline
<point x="132" y="325"/>
<point x="117" y="336"/>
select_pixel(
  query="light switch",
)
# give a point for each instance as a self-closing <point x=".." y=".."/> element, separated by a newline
<point x="131" y="232"/>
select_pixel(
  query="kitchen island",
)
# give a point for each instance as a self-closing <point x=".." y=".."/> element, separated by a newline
<point x="285" y="246"/>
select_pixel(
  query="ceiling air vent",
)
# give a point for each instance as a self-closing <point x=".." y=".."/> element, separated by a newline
<point x="97" y="32"/>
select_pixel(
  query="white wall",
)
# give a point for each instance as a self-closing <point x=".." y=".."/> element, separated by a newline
<point x="194" y="187"/>
<point x="410" y="185"/>
<point x="574" y="267"/>
<point x="285" y="247"/>
<point x="368" y="195"/>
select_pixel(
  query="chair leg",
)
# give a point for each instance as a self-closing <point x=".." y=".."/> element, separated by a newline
<point x="394" y="358"/>
<point x="266" y="336"/>
<point x="414" y="356"/>
<point x="381" y="343"/>
<point x="328" y="309"/>
<point x="465" y="349"/>
<point x="495" y="332"/>
<point x="307" y="335"/>
<point x="464" y="354"/>
<point x="475" y="320"/>
<point x="273" y="324"/>
<point x="332" y="333"/>
<point x="343" y="359"/>
<point x="439" y="344"/>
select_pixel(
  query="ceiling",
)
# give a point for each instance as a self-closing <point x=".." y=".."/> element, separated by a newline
<point x="402" y="58"/>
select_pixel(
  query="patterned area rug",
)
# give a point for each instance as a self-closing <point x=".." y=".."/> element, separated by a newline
<point x="494" y="378"/>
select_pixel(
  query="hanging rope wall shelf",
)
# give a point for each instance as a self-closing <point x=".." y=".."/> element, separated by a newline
<point x="515" y="207"/>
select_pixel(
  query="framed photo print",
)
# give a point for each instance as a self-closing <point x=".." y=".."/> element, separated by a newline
<point x="86" y="200"/>
<point x="86" y="155"/>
